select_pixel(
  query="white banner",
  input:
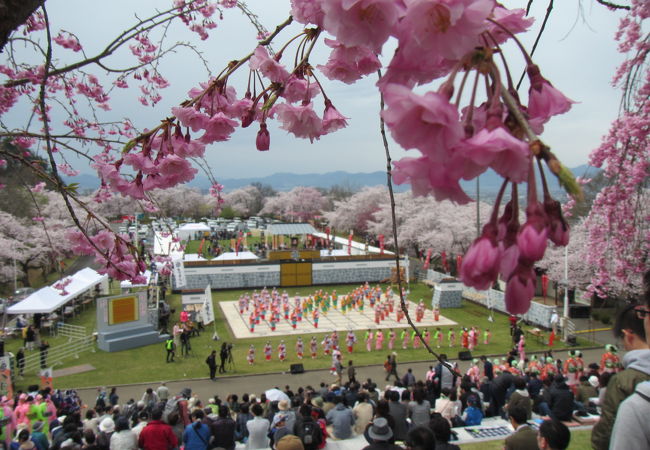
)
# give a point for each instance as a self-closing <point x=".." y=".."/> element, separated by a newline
<point x="178" y="270"/>
<point x="207" y="313"/>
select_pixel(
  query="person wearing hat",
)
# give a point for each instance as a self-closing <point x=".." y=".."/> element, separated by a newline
<point x="283" y="407"/>
<point x="587" y="389"/>
<point x="290" y="442"/>
<point x="38" y="437"/>
<point x="629" y="328"/>
<point x="279" y="428"/>
<point x="123" y="437"/>
<point x="380" y="435"/>
<point x="106" y="430"/>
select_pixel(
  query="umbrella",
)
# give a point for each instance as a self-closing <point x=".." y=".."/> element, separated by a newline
<point x="276" y="395"/>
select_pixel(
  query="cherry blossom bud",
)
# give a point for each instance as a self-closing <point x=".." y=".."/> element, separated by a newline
<point x="248" y="118"/>
<point x="263" y="140"/>
<point x="520" y="290"/>
<point x="558" y="227"/>
<point x="531" y="241"/>
<point x="481" y="263"/>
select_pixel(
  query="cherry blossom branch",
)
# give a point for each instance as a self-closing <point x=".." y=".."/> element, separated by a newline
<point x="612" y="5"/>
<point x="402" y="302"/>
<point x="114" y="45"/>
<point x="56" y="178"/>
<point x="549" y="8"/>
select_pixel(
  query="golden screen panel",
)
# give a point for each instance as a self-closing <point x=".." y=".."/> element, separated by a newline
<point x="123" y="309"/>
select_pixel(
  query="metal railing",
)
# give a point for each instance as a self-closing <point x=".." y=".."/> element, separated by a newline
<point x="56" y="355"/>
<point x="72" y="332"/>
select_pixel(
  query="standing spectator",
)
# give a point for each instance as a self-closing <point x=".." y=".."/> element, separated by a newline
<point x="43" y="348"/>
<point x="488" y="368"/>
<point x="197" y="434"/>
<point x="211" y="361"/>
<point x="157" y="434"/>
<point x="163" y="392"/>
<point x="524" y="437"/>
<point x="257" y="429"/>
<point x="352" y="373"/>
<point x="629" y="328"/>
<point x="113" y="398"/>
<point x="338" y="370"/>
<point x="553" y="435"/>
<point x="123" y="438"/>
<point x="408" y="380"/>
<point x="20" y="361"/>
<point x="170" y="347"/>
<point x="340" y="419"/>
<point x="223" y="357"/>
<point x="30" y="337"/>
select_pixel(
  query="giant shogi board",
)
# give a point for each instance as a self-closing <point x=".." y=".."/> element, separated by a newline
<point x="334" y="320"/>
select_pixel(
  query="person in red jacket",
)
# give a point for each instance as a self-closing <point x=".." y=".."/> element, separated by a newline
<point x="157" y="435"/>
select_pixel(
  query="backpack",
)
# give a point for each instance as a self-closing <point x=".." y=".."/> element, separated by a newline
<point x="310" y="434"/>
<point x="170" y="407"/>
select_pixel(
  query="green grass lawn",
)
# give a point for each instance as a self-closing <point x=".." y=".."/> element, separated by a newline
<point x="580" y="439"/>
<point x="154" y="355"/>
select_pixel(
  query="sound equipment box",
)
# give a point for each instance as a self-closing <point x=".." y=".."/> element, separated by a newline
<point x="465" y="356"/>
<point x="297" y="368"/>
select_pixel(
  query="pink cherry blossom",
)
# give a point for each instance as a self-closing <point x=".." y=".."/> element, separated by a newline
<point x="348" y="64"/>
<point x="191" y="118"/>
<point x="38" y="187"/>
<point x="427" y="122"/>
<point x="531" y="242"/>
<point x="140" y="162"/>
<point x="299" y="90"/>
<point x="219" y="128"/>
<point x="558" y="227"/>
<point x="300" y="120"/>
<point x="263" y="140"/>
<point x="501" y="151"/>
<point x="307" y="11"/>
<point x="367" y="23"/>
<point x="426" y="176"/>
<point x="514" y="20"/>
<point x="332" y="119"/>
<point x="544" y="101"/>
<point x="445" y="28"/>
<point x="269" y="67"/>
<point x="176" y="170"/>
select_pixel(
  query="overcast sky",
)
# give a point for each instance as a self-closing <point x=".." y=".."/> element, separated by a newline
<point x="577" y="54"/>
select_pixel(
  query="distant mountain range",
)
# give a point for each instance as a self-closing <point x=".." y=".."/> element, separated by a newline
<point x="489" y="181"/>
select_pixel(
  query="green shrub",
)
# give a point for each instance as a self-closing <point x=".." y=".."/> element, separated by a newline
<point x="606" y="320"/>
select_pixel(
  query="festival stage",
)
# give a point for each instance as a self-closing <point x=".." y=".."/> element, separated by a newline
<point x="334" y="320"/>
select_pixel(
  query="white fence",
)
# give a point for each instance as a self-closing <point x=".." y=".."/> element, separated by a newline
<point x="56" y="355"/>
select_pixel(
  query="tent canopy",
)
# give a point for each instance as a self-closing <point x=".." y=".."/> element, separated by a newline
<point x="163" y="244"/>
<point x="290" y="229"/>
<point x="194" y="227"/>
<point x="126" y="284"/>
<point x="228" y="256"/>
<point x="49" y="299"/>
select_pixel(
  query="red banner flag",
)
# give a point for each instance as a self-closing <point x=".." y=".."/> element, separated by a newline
<point x="427" y="260"/>
<point x="544" y="284"/>
<point x="459" y="261"/>
<point x="381" y="244"/>
<point x="350" y="243"/>
<point x="445" y="263"/>
<point x="327" y="232"/>
<point x="201" y="246"/>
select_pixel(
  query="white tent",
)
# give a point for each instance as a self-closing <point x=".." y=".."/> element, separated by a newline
<point x="189" y="230"/>
<point x="163" y="244"/>
<point x="126" y="284"/>
<point x="49" y="299"/>
<point x="230" y="256"/>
